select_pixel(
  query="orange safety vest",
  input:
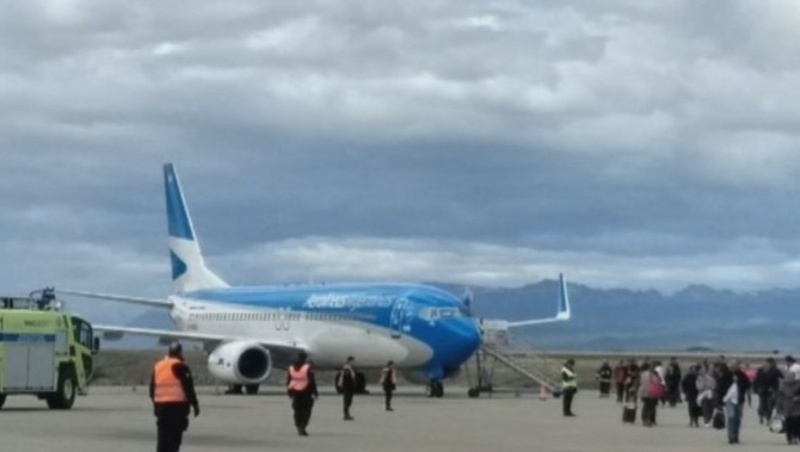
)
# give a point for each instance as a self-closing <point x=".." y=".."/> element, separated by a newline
<point x="168" y="388"/>
<point x="299" y="378"/>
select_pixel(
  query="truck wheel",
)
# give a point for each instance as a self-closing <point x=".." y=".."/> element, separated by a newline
<point x="64" y="397"/>
<point x="2" y="400"/>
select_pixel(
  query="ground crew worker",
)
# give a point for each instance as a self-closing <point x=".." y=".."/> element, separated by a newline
<point x="347" y="384"/>
<point x="604" y="374"/>
<point x="172" y="392"/>
<point x="302" y="388"/>
<point x="569" y="384"/>
<point x="389" y="383"/>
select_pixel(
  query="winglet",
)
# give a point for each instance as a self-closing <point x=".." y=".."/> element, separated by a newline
<point x="564" y="313"/>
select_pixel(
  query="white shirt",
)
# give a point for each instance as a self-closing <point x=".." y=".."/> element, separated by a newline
<point x="795" y="369"/>
<point x="732" y="395"/>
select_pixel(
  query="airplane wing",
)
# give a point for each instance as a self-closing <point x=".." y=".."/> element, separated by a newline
<point x="152" y="302"/>
<point x="116" y="332"/>
<point x="564" y="313"/>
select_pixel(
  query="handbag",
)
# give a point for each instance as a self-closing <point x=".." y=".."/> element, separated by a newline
<point x="777" y="424"/>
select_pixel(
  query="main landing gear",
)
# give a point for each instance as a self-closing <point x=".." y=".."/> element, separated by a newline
<point x="237" y="389"/>
<point x="434" y="389"/>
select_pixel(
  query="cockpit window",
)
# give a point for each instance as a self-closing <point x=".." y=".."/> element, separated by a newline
<point x="440" y="313"/>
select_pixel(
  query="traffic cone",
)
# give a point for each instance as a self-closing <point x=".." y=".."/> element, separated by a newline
<point x="543" y="392"/>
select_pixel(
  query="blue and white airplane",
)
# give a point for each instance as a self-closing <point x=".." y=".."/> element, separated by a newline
<point x="250" y="330"/>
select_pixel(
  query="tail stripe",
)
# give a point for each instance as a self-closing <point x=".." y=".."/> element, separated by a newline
<point x="178" y="266"/>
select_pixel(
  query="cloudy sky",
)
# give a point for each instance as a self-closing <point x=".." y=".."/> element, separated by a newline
<point x="626" y="143"/>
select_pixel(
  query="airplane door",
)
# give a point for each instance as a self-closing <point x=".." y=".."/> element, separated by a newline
<point x="398" y="317"/>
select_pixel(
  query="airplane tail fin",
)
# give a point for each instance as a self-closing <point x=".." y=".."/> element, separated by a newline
<point x="189" y="271"/>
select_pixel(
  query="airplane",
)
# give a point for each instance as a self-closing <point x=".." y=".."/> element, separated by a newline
<point x="248" y="331"/>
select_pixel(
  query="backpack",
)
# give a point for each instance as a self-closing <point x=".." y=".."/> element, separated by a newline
<point x="655" y="389"/>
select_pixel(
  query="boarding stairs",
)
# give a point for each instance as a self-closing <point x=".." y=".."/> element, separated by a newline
<point x="536" y="369"/>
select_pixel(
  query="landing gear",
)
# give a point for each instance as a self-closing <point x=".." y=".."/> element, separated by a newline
<point x="241" y="389"/>
<point x="435" y="389"/>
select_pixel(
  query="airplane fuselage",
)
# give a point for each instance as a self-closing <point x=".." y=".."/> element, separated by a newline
<point x="419" y="327"/>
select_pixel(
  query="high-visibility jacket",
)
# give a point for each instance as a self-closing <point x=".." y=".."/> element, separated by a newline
<point x="168" y="388"/>
<point x="569" y="380"/>
<point x="299" y="377"/>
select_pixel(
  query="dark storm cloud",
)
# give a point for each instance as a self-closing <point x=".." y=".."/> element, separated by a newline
<point x="625" y="142"/>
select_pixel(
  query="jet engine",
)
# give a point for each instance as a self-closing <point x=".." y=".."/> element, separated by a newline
<point x="240" y="362"/>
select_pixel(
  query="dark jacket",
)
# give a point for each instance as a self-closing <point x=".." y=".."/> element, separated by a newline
<point x="348" y="379"/>
<point x="184" y="374"/>
<point x="605" y="373"/>
<point x="724" y="383"/>
<point x="311" y="389"/>
<point x="768" y="380"/>
<point x="673" y="377"/>
<point x="689" y="386"/>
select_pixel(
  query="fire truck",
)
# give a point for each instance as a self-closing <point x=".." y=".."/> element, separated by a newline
<point x="44" y="351"/>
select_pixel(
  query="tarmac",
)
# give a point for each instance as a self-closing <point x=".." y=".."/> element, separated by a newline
<point x="121" y="420"/>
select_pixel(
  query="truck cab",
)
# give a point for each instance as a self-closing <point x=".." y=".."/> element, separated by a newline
<point x="44" y="351"/>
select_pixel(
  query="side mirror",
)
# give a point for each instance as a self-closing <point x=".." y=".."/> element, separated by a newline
<point x="96" y="345"/>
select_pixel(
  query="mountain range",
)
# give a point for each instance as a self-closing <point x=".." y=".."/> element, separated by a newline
<point x="623" y="319"/>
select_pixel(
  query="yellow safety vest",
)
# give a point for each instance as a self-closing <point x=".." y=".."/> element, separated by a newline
<point x="571" y="381"/>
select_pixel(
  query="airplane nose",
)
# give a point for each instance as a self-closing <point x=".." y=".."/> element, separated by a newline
<point x="469" y="338"/>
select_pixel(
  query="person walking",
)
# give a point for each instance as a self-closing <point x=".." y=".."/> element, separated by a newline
<point x="347" y="384"/>
<point x="751" y="376"/>
<point x="673" y="380"/>
<point x="632" y="381"/>
<point x="389" y="383"/>
<point x="690" y="393"/>
<point x="733" y="386"/>
<point x="787" y="406"/>
<point x="651" y="389"/>
<point x="604" y="375"/>
<point x="706" y="387"/>
<point x="302" y="388"/>
<point x="766" y="386"/>
<point x="172" y="393"/>
<point x="569" y="384"/>
<point x="620" y="375"/>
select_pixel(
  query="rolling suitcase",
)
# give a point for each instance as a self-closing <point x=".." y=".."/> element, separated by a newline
<point x="629" y="413"/>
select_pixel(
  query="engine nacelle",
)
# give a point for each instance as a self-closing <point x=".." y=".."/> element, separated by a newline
<point x="240" y="362"/>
